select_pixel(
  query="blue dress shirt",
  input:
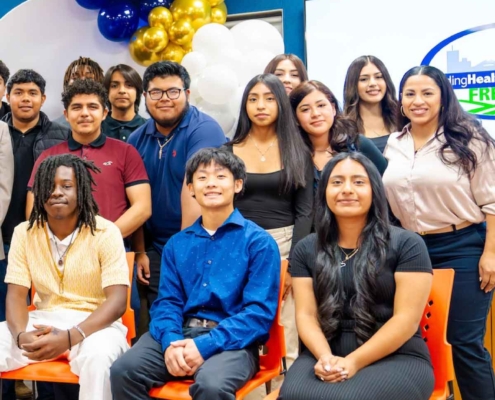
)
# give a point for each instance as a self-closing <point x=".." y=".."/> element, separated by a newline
<point x="196" y="131"/>
<point x="232" y="277"/>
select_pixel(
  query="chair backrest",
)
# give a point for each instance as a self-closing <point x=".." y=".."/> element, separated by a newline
<point x="275" y="346"/>
<point x="128" y="317"/>
<point x="434" y="326"/>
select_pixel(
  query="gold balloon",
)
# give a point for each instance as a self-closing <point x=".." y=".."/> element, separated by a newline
<point x="155" y="39"/>
<point x="193" y="9"/>
<point x="215" y="3"/>
<point x="219" y="14"/>
<point x="187" y="47"/>
<point x="173" y="52"/>
<point x="138" y="50"/>
<point x="181" y="31"/>
<point x="161" y="16"/>
<point x="199" y="22"/>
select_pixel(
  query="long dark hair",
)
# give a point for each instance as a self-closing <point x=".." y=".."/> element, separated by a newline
<point x="373" y="246"/>
<point x="343" y="132"/>
<point x="293" y="153"/>
<point x="44" y="183"/>
<point x="459" y="127"/>
<point x="131" y="76"/>
<point x="301" y="69"/>
<point x="389" y="103"/>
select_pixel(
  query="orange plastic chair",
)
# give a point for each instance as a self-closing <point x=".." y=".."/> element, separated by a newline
<point x="59" y="371"/>
<point x="434" y="331"/>
<point x="272" y="364"/>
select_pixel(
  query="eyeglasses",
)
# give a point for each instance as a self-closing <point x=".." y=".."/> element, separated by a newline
<point x="172" y="93"/>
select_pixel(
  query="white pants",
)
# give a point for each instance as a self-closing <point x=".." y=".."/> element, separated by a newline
<point x="90" y="360"/>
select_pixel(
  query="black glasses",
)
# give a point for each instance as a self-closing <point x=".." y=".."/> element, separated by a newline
<point x="172" y="93"/>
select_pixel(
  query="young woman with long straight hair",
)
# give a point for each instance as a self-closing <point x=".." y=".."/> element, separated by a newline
<point x="324" y="130"/>
<point x="278" y="193"/>
<point x="370" y="99"/>
<point x="440" y="183"/>
<point x="360" y="287"/>
<point x="289" y="68"/>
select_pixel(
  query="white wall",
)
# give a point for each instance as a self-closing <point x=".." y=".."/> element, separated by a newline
<point x="399" y="33"/>
<point x="47" y="35"/>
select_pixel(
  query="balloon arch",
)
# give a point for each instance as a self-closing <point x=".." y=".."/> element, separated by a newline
<point x="192" y="32"/>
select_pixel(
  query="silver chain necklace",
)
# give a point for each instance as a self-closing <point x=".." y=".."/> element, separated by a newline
<point x="263" y="158"/>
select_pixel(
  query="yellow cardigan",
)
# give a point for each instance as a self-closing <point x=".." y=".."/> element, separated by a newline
<point x="92" y="263"/>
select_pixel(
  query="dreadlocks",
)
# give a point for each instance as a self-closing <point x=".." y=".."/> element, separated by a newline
<point x="44" y="183"/>
<point x="81" y="63"/>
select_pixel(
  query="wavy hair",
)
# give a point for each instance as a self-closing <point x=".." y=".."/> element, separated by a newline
<point x="301" y="68"/>
<point x="373" y="246"/>
<point x="460" y="128"/>
<point x="343" y="131"/>
<point x="293" y="153"/>
<point x="389" y="103"/>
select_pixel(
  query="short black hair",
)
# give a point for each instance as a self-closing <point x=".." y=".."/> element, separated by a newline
<point x="164" y="69"/>
<point x="4" y="72"/>
<point x="220" y="156"/>
<point x="26" y="76"/>
<point x="84" y="86"/>
<point x="130" y="75"/>
<point x="44" y="183"/>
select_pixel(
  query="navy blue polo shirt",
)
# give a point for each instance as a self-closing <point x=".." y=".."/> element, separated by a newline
<point x="196" y="131"/>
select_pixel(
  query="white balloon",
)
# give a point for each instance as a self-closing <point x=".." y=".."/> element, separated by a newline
<point x="194" y="95"/>
<point x="220" y="113"/>
<point x="254" y="63"/>
<point x="210" y="38"/>
<point x="235" y="102"/>
<point x="257" y="34"/>
<point x="231" y="57"/>
<point x="194" y="62"/>
<point x="217" y="84"/>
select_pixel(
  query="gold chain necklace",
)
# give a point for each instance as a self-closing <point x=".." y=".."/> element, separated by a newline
<point x="263" y="158"/>
<point x="347" y="256"/>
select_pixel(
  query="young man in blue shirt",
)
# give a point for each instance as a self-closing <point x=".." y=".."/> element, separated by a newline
<point x="217" y="299"/>
<point x="174" y="133"/>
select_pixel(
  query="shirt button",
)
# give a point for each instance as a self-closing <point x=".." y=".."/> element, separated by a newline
<point x="209" y="261"/>
<point x="213" y="238"/>
<point x="123" y="137"/>
<point x="205" y="284"/>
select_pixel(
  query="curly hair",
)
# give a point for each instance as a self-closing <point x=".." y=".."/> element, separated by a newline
<point x="44" y="181"/>
<point x="84" y="86"/>
<point x="4" y="72"/>
<point x="82" y="62"/>
<point x="26" y="76"/>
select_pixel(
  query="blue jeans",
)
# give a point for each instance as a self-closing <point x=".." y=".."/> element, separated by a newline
<point x="469" y="307"/>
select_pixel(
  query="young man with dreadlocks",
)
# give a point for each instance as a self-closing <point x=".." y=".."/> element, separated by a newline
<point x="82" y="68"/>
<point x="80" y="294"/>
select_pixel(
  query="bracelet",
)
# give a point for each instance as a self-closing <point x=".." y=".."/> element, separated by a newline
<point x="70" y="343"/>
<point x="80" y="331"/>
<point x="18" y="337"/>
<point x="139" y="252"/>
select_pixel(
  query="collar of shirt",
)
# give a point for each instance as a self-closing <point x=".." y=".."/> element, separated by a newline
<point x="151" y="127"/>
<point x="234" y="219"/>
<point x="112" y="123"/>
<point x="98" y="142"/>
<point x="64" y="242"/>
<point x="34" y="129"/>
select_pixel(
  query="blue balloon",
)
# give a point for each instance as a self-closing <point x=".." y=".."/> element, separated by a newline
<point x="117" y="22"/>
<point x="92" y="4"/>
<point x="148" y="5"/>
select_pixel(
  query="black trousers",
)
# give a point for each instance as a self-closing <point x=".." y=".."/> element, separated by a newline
<point x="219" y="378"/>
<point x="469" y="307"/>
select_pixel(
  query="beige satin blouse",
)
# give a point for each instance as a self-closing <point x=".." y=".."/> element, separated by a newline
<point x="425" y="194"/>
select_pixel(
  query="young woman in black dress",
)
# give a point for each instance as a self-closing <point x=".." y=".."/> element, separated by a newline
<point x="360" y="287"/>
<point x="370" y="99"/>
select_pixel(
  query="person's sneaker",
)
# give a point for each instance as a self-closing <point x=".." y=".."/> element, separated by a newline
<point x="22" y="391"/>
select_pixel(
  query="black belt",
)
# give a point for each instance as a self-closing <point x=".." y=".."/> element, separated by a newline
<point x="200" y="323"/>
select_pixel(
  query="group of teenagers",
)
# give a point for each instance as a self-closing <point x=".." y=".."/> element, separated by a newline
<point x="364" y="202"/>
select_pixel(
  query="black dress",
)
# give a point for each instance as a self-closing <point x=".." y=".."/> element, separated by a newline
<point x="407" y="373"/>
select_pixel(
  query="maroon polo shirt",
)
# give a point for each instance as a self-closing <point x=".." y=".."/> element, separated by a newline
<point x="121" y="167"/>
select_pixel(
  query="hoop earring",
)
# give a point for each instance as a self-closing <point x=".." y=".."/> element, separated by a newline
<point x="402" y="111"/>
